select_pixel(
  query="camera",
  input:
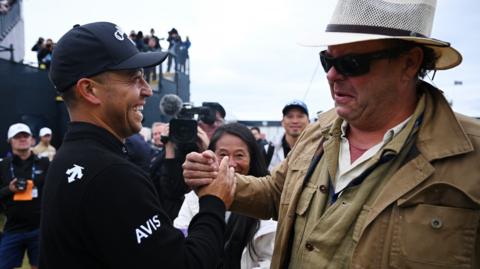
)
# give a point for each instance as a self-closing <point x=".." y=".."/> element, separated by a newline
<point x="183" y="128"/>
<point x="21" y="184"/>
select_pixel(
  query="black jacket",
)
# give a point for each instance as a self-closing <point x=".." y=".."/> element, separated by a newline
<point x="167" y="177"/>
<point x="22" y="216"/>
<point x="102" y="211"/>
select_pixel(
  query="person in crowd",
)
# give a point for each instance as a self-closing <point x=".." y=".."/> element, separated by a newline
<point x="45" y="54"/>
<point x="261" y="141"/>
<point x="249" y="241"/>
<point x="151" y="72"/>
<point x="44" y="148"/>
<point x="100" y="210"/>
<point x="294" y="121"/>
<point x="21" y="182"/>
<point x="220" y="114"/>
<point x="139" y="41"/>
<point x="166" y="169"/>
<point x="5" y="6"/>
<point x="38" y="47"/>
<point x="157" y="40"/>
<point x="132" y="35"/>
<point x="182" y="55"/>
<point x="389" y="177"/>
<point x="174" y="41"/>
<point x="158" y="128"/>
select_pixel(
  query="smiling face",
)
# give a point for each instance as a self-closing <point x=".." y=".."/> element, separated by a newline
<point x="294" y="122"/>
<point x="237" y="151"/>
<point x="122" y="95"/>
<point x="365" y="99"/>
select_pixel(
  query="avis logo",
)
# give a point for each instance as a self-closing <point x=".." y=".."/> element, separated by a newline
<point x="144" y="231"/>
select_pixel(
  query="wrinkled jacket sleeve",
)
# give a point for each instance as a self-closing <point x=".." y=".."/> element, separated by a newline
<point x="263" y="192"/>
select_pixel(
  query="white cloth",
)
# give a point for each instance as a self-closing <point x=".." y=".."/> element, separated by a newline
<point x="278" y="154"/>
<point x="263" y="240"/>
<point x="348" y="171"/>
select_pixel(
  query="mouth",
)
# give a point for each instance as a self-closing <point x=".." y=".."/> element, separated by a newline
<point x="342" y="97"/>
<point x="138" y="110"/>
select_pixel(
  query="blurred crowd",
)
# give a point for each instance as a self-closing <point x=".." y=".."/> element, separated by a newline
<point x="177" y="47"/>
<point x="5" y="5"/>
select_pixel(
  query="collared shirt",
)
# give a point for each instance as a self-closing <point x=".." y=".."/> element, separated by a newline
<point x="348" y="171"/>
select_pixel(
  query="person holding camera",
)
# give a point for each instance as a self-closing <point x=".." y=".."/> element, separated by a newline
<point x="21" y="180"/>
<point x="166" y="169"/>
<point x="99" y="209"/>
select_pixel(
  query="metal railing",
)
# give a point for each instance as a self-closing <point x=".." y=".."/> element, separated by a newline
<point x="9" y="19"/>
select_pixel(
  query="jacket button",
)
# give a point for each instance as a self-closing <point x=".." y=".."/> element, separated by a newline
<point x="323" y="189"/>
<point x="309" y="247"/>
<point x="436" y="223"/>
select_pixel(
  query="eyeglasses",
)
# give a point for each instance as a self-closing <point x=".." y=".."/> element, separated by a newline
<point x="357" y="64"/>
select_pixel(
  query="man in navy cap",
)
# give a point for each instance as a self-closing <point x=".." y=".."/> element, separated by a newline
<point x="100" y="210"/>
<point x="294" y="121"/>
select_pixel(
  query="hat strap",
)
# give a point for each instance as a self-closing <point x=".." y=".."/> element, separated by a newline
<point x="368" y="29"/>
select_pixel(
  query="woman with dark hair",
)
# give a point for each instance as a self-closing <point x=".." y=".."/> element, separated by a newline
<point x="249" y="241"/>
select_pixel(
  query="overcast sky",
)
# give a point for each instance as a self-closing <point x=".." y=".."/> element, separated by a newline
<point x="245" y="54"/>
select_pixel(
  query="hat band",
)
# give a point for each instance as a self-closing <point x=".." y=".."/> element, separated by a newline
<point x="367" y="29"/>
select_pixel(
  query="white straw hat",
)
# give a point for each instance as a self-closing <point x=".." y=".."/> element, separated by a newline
<point x="362" y="20"/>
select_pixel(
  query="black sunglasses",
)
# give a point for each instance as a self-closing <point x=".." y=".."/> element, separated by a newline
<point x="357" y="64"/>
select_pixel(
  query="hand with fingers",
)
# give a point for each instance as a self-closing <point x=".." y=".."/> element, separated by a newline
<point x="200" y="168"/>
<point x="223" y="186"/>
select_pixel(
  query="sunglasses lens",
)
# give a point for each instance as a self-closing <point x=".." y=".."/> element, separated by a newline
<point x="326" y="62"/>
<point x="352" y="66"/>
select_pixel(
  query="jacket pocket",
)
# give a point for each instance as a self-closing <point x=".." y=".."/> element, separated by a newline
<point x="296" y="173"/>
<point x="305" y="199"/>
<point x="431" y="236"/>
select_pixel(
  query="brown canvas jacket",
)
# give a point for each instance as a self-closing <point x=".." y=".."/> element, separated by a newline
<point x="427" y="215"/>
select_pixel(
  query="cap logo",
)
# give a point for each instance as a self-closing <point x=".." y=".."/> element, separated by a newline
<point x="119" y="34"/>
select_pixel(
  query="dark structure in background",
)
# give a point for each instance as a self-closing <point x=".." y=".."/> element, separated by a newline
<point x="26" y="95"/>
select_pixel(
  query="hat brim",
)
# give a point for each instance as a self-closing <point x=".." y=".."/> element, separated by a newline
<point x="289" y="107"/>
<point x="448" y="57"/>
<point x="141" y="60"/>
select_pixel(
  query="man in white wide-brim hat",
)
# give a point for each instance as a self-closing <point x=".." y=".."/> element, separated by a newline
<point x="389" y="178"/>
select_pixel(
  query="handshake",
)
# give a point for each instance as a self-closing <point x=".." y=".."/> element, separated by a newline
<point x="203" y="174"/>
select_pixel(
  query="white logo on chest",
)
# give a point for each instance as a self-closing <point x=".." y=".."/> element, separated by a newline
<point x="74" y="173"/>
<point x="145" y="230"/>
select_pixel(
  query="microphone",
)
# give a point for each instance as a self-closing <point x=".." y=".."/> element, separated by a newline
<point x="170" y="105"/>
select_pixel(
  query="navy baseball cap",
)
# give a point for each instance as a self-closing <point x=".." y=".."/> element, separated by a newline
<point x="91" y="49"/>
<point x="295" y="104"/>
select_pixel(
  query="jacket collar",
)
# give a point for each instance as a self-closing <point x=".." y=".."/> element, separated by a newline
<point x="441" y="134"/>
<point x="86" y="131"/>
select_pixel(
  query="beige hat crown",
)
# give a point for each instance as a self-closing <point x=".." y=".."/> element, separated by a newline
<point x="362" y="20"/>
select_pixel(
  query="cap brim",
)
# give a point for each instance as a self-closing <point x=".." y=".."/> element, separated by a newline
<point x="287" y="108"/>
<point x="141" y="60"/>
<point x="448" y="56"/>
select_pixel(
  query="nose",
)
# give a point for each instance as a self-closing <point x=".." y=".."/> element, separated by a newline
<point x="146" y="90"/>
<point x="333" y="74"/>
<point x="232" y="162"/>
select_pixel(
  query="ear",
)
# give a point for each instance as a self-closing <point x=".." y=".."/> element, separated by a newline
<point x="413" y="62"/>
<point x="87" y="89"/>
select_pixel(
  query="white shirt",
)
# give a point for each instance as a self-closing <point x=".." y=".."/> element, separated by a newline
<point x="263" y="239"/>
<point x="348" y="171"/>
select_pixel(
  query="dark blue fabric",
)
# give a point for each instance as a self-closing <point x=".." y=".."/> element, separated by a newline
<point x="13" y="247"/>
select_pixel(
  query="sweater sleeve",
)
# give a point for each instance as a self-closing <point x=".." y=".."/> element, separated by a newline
<point x="127" y="227"/>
